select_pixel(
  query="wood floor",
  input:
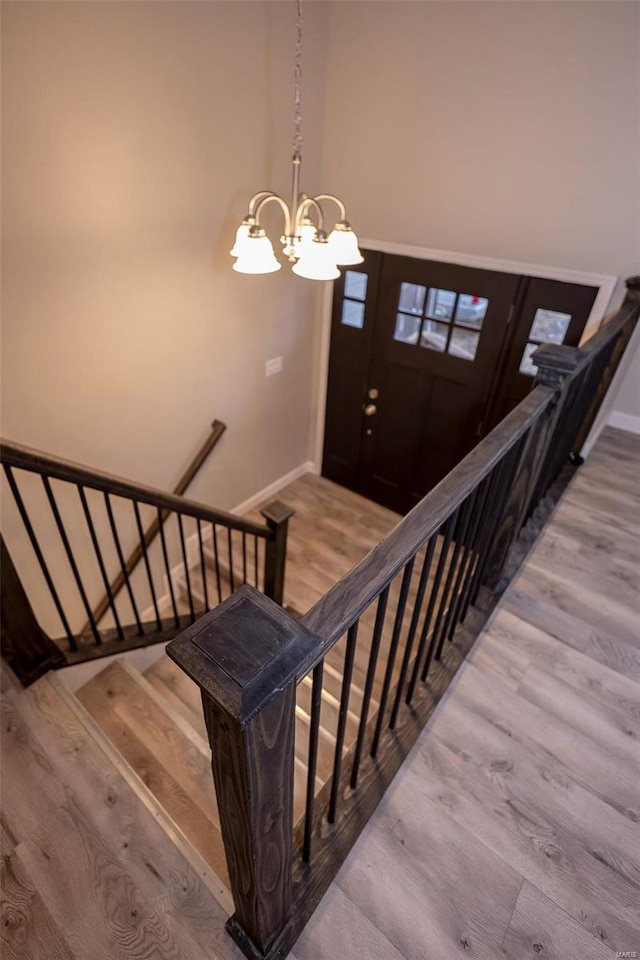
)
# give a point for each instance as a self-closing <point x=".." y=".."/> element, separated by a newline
<point x="331" y="530"/>
<point x="511" y="832"/>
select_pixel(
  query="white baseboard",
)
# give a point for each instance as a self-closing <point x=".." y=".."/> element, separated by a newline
<point x="624" y="421"/>
<point x="307" y="467"/>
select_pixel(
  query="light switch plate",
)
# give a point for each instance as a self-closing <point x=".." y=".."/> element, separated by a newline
<point x="273" y="366"/>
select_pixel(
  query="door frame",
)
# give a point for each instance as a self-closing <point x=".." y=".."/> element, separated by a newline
<point x="606" y="285"/>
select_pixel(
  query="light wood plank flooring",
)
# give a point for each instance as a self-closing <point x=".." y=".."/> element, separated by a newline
<point x="511" y="832"/>
<point x="513" y="829"/>
<point x="331" y="530"/>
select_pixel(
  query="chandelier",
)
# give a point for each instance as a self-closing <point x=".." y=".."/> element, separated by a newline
<point x="314" y="254"/>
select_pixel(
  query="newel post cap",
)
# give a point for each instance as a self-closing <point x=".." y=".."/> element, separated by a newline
<point x="243" y="652"/>
<point x="633" y="288"/>
<point x="556" y="362"/>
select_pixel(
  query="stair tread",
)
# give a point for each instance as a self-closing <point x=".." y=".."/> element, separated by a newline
<point x="172" y="764"/>
<point x="68" y="806"/>
<point x="181" y="692"/>
<point x="168" y="676"/>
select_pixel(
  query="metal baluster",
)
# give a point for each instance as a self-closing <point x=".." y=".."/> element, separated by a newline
<point x="244" y="557"/>
<point x="510" y="472"/>
<point x="217" y="562"/>
<point x="185" y="563"/>
<point x="165" y="554"/>
<point x="145" y="557"/>
<point x="255" y="561"/>
<point x="342" y="718"/>
<point x="230" y="547"/>
<point x="466" y="566"/>
<point x="455" y="569"/>
<point x="368" y="686"/>
<point x="121" y="561"/>
<point x="485" y="524"/>
<point x="39" y="555"/>
<point x="203" y="567"/>
<point x="433" y="596"/>
<point x="71" y="559"/>
<point x="98" y="553"/>
<point x="417" y="609"/>
<point x="314" y="726"/>
<point x="391" y="659"/>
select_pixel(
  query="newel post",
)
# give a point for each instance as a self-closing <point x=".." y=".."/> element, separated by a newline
<point x="557" y="367"/>
<point x="277" y="515"/>
<point x="25" y="646"/>
<point x="244" y="655"/>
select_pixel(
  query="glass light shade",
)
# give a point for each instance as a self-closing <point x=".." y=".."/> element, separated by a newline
<point x="316" y="262"/>
<point x="343" y="244"/>
<point x="256" y="256"/>
<point x="306" y="235"/>
<point x="242" y="235"/>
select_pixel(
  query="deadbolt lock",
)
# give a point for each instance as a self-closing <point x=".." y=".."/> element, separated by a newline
<point x="373" y="393"/>
<point x="370" y="410"/>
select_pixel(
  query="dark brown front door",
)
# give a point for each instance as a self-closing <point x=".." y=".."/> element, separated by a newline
<point x="410" y="372"/>
<point x="425" y="357"/>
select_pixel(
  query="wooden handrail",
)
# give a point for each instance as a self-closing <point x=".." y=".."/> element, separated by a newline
<point x="134" y="558"/>
<point x="332" y="615"/>
<point x="35" y="461"/>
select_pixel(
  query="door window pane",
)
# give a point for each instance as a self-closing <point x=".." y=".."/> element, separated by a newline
<point x="407" y="328"/>
<point x="355" y="285"/>
<point x="471" y="311"/>
<point x="526" y="365"/>
<point x="434" y="335"/>
<point x="440" y="304"/>
<point x="549" y="326"/>
<point x="353" y="313"/>
<point x="464" y="343"/>
<point x="411" y="298"/>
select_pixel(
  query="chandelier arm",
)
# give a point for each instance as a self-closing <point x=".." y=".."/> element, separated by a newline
<point x="301" y="211"/>
<point x="336" y="200"/>
<point x="260" y="195"/>
<point x="285" y="209"/>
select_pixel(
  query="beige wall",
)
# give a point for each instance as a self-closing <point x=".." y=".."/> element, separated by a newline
<point x="134" y="134"/>
<point x="503" y="129"/>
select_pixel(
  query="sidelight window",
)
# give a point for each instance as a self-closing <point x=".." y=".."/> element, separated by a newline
<point x="440" y="320"/>
<point x="548" y="326"/>
<point x="355" y="294"/>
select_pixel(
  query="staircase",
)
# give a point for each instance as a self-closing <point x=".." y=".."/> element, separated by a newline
<point x="154" y="720"/>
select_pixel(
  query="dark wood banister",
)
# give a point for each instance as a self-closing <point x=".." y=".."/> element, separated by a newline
<point x="247" y="656"/>
<point x="134" y="558"/>
<point x="345" y="601"/>
<point x="29" y="648"/>
<point x="35" y="461"/>
<point x="332" y="615"/>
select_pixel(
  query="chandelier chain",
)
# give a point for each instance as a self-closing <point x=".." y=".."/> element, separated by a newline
<point x="297" y="100"/>
<point x="314" y="253"/>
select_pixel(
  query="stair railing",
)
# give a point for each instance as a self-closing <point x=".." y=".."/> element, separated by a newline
<point x="134" y="558"/>
<point x="71" y="530"/>
<point x="410" y="611"/>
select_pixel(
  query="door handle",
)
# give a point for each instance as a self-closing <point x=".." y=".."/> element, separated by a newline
<point x="370" y="410"/>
